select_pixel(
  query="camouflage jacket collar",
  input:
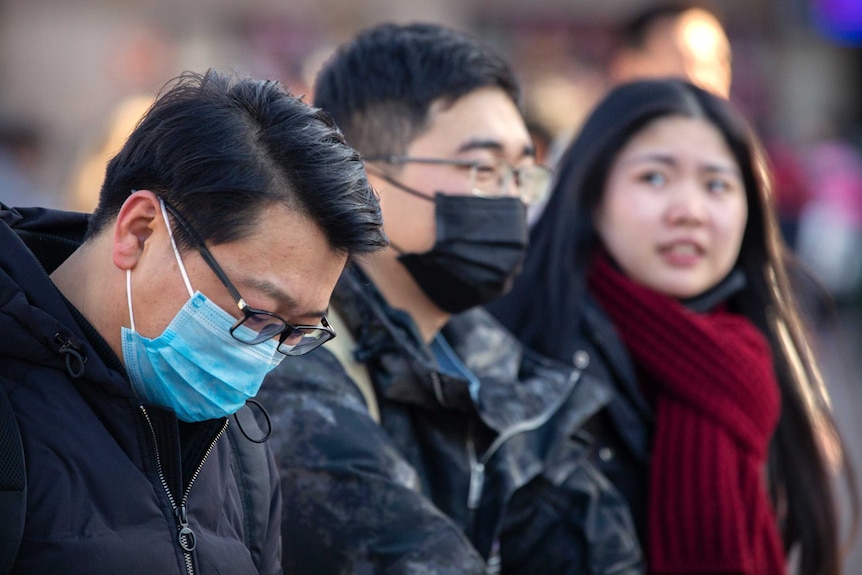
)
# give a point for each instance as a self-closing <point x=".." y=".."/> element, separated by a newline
<point x="515" y="386"/>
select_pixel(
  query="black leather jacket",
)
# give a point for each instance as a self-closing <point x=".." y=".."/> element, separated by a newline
<point x="459" y="476"/>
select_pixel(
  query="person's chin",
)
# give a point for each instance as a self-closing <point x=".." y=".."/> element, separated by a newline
<point x="679" y="289"/>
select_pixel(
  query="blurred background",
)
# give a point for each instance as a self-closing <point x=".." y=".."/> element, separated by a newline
<point x="69" y="68"/>
<point x="75" y="75"/>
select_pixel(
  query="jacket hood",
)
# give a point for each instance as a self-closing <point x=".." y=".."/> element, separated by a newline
<point x="38" y="326"/>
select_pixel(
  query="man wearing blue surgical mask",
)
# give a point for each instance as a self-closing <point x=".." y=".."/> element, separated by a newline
<point x="424" y="439"/>
<point x="222" y="227"/>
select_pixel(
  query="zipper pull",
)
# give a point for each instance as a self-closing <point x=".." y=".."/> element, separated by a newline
<point x="477" y="481"/>
<point x="186" y="536"/>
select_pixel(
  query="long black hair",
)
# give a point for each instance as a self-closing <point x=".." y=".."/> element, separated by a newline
<point x="544" y="304"/>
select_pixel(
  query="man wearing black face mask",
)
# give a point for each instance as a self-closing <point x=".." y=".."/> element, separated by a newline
<point x="424" y="439"/>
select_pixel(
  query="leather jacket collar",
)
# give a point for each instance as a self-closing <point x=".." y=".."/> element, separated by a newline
<point x="389" y="338"/>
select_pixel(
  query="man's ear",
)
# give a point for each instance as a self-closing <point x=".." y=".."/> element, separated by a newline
<point x="138" y="218"/>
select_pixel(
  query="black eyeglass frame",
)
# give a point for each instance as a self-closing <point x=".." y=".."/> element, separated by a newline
<point x="250" y="312"/>
<point x="475" y="165"/>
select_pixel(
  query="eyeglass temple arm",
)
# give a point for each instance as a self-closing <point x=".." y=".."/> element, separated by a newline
<point x="208" y="257"/>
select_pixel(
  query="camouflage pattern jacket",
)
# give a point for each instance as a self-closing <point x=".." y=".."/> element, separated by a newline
<point x="475" y="470"/>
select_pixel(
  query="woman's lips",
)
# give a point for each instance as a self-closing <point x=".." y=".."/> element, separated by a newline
<point x="681" y="253"/>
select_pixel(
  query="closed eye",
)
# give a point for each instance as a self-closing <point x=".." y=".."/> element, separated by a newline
<point x="293" y="336"/>
<point x="256" y="322"/>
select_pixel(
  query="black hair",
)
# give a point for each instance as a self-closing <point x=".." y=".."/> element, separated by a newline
<point x="220" y="149"/>
<point x="380" y="86"/>
<point x="545" y="300"/>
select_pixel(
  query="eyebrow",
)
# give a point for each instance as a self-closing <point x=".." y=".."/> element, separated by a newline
<point x="278" y="294"/>
<point x="669" y="160"/>
<point x="494" y="145"/>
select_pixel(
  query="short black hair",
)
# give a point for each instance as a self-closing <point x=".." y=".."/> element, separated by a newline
<point x="380" y="86"/>
<point x="221" y="148"/>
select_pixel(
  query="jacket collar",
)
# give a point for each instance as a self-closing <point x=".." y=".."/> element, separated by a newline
<point x="388" y="340"/>
<point x="43" y="329"/>
<point x="630" y="410"/>
<point x="601" y="333"/>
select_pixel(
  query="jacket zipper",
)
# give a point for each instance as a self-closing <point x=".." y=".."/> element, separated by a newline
<point x="477" y="464"/>
<point x="185" y="535"/>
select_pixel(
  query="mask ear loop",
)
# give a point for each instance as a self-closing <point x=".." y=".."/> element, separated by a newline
<point x="129" y="298"/>
<point x="263" y="411"/>
<point x="176" y="251"/>
<point x="179" y="262"/>
<point x="387" y="178"/>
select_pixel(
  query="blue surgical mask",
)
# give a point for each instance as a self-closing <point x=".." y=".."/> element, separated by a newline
<point x="195" y="367"/>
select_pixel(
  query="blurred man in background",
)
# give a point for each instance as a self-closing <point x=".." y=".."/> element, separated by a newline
<point x="674" y="39"/>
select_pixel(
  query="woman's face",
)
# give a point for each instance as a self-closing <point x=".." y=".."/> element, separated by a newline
<point x="674" y="209"/>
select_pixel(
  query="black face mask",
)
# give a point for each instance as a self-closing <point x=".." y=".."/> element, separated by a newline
<point x="479" y="250"/>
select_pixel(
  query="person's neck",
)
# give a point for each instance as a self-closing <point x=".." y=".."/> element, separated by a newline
<point x="91" y="287"/>
<point x="401" y="291"/>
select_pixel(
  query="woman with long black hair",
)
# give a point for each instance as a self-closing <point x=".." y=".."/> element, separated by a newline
<point x="658" y="264"/>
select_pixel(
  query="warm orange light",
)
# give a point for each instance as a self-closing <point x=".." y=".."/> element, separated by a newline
<point x="705" y="49"/>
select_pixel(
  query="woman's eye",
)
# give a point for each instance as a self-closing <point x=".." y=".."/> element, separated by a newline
<point x="718" y="186"/>
<point x="655" y="179"/>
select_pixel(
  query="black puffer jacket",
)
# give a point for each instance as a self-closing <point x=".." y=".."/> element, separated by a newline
<point x="457" y="478"/>
<point x="105" y="473"/>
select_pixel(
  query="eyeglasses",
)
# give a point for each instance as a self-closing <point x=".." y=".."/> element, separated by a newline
<point x="491" y="178"/>
<point x="257" y="326"/>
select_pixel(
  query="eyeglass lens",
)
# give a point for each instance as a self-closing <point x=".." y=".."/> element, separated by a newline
<point x="259" y="327"/>
<point x="532" y="182"/>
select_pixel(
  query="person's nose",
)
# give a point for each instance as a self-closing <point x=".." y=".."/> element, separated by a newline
<point x="686" y="206"/>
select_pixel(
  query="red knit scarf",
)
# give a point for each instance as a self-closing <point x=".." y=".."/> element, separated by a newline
<point x="717" y="404"/>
